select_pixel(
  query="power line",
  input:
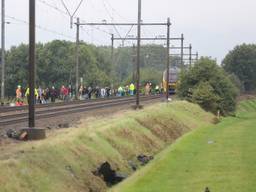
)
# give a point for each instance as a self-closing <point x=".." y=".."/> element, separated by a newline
<point x="111" y="17"/>
<point x="114" y="10"/>
<point x="40" y="27"/>
<point x="53" y="7"/>
<point x="66" y="14"/>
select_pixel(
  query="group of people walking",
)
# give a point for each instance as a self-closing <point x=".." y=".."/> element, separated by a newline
<point x="46" y="95"/>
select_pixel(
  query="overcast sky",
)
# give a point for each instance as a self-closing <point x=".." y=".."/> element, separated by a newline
<point x="213" y="27"/>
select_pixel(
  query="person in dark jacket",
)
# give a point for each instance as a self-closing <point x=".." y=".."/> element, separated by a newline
<point x="53" y="94"/>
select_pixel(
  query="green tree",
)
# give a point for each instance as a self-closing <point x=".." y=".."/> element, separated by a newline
<point x="241" y="61"/>
<point x="207" y="84"/>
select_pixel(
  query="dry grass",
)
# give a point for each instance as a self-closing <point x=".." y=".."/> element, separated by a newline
<point x="64" y="161"/>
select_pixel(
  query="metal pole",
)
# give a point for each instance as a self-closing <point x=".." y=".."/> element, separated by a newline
<point x="77" y="56"/>
<point x="32" y="40"/>
<point x="112" y="61"/>
<point x="182" y="51"/>
<point x="196" y="56"/>
<point x="168" y="58"/>
<point x="112" y="49"/>
<point x="138" y="57"/>
<point x="133" y="63"/>
<point x="3" y="52"/>
<point x="190" y="55"/>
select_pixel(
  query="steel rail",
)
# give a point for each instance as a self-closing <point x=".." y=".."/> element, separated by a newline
<point x="23" y="117"/>
<point x="4" y="109"/>
<point x="61" y="107"/>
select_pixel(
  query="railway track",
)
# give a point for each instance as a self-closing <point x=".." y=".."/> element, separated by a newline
<point x="20" y="114"/>
<point x="4" y="109"/>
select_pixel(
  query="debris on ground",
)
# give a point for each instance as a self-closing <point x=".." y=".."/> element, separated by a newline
<point x="110" y="176"/>
<point x="12" y="134"/>
<point x="71" y="171"/>
<point x="144" y="159"/>
<point x="133" y="165"/>
<point x="17" y="135"/>
<point x="211" y="142"/>
<point x="64" y="125"/>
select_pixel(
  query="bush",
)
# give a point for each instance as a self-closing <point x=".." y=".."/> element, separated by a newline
<point x="208" y="85"/>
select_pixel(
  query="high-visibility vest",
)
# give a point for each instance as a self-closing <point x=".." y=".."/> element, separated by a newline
<point x="27" y="92"/>
<point x="132" y="87"/>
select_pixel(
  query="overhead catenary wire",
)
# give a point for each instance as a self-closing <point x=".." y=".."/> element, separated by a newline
<point x="53" y="7"/>
<point x="111" y="17"/>
<point x="41" y="27"/>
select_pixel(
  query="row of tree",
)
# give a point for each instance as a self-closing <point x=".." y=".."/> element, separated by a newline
<point x="216" y="87"/>
<point x="56" y="65"/>
<point x="212" y="86"/>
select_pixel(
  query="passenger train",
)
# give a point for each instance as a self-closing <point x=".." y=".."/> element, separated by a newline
<point x="173" y="79"/>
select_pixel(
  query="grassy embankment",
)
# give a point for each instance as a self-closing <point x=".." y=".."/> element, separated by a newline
<point x="64" y="162"/>
<point x="220" y="157"/>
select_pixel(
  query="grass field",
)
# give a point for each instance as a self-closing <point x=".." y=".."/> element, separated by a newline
<point x="65" y="160"/>
<point x="221" y="157"/>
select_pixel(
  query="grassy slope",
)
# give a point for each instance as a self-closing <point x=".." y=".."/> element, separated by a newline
<point x="192" y="163"/>
<point x="64" y="162"/>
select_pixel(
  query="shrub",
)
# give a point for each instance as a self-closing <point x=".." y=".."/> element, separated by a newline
<point x="208" y="85"/>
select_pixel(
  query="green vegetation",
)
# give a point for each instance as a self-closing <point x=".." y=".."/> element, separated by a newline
<point x="221" y="157"/>
<point x="241" y="62"/>
<point x="208" y="85"/>
<point x="64" y="162"/>
<point x="56" y="61"/>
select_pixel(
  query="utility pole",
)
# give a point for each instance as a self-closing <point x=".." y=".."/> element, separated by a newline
<point x="138" y="57"/>
<point x="168" y="59"/>
<point x="190" y="55"/>
<point x="32" y="133"/>
<point x="112" y="49"/>
<point x="112" y="60"/>
<point x="3" y="52"/>
<point x="133" y="63"/>
<point x="32" y="41"/>
<point x="182" y="51"/>
<point x="197" y="56"/>
<point x="77" y="56"/>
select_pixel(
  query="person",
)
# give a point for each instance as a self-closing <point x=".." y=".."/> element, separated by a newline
<point x="66" y="94"/>
<point x="97" y="92"/>
<point x="120" y="91"/>
<point x="70" y="91"/>
<point x="19" y="101"/>
<point x="40" y="95"/>
<point x="90" y="90"/>
<point x="102" y="92"/>
<point x="47" y="94"/>
<point x="53" y="94"/>
<point x="81" y="91"/>
<point x="157" y="89"/>
<point x="108" y="91"/>
<point x="62" y="90"/>
<point x="27" y="94"/>
<point x="131" y="88"/>
<point x="18" y="93"/>
<point x="147" y="89"/>
<point x="86" y="93"/>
